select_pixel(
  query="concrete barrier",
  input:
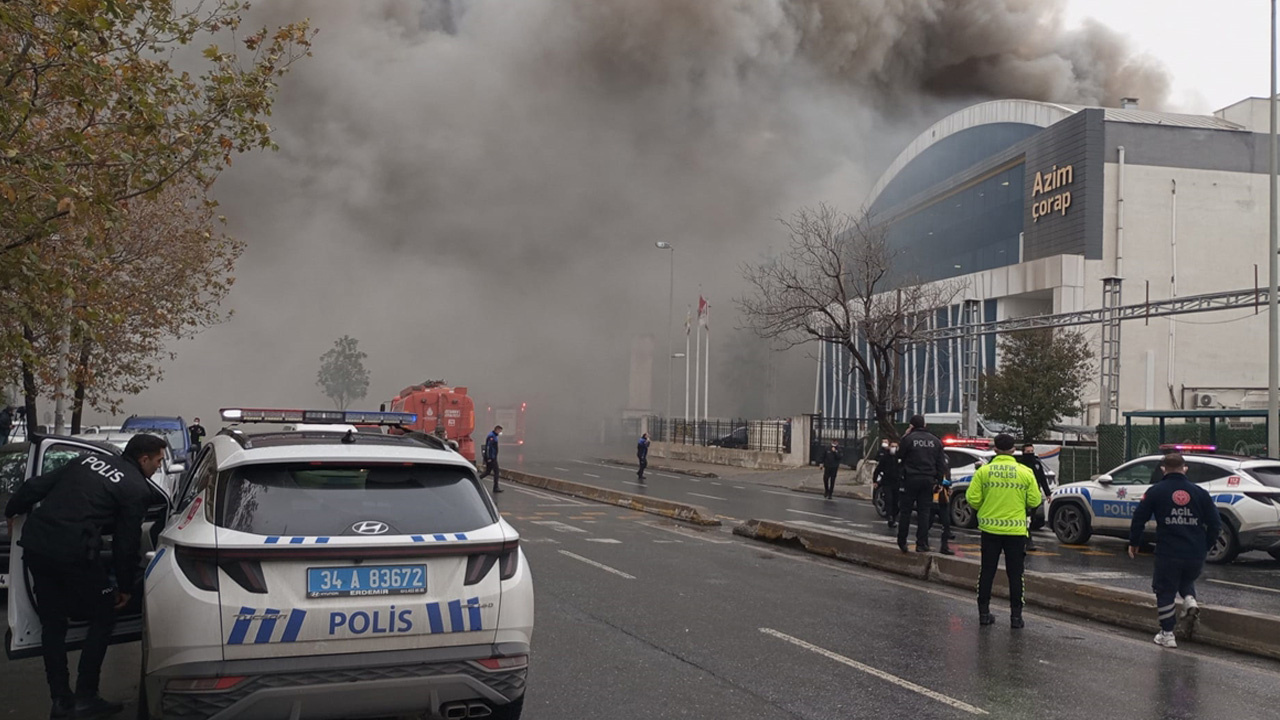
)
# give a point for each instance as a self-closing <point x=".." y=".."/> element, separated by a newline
<point x="750" y="459"/>
<point x="695" y="514"/>
<point x="1229" y="628"/>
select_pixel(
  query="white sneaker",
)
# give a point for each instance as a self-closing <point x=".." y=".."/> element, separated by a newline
<point x="1190" y="608"/>
<point x="1165" y="638"/>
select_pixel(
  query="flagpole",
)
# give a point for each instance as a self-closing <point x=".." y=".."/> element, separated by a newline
<point x="706" y="383"/>
<point x="688" y="322"/>
<point x="697" y="363"/>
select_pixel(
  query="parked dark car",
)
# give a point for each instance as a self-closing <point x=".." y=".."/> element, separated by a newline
<point x="173" y="428"/>
<point x="735" y="439"/>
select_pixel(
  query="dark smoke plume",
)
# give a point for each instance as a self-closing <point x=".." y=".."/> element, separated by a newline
<point x="472" y="188"/>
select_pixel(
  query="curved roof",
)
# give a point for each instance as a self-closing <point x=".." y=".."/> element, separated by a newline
<point x="1030" y="112"/>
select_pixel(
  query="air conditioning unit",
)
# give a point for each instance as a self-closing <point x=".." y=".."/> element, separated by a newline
<point x="1206" y="400"/>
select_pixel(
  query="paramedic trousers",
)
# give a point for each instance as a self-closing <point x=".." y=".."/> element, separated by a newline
<point x="1174" y="576"/>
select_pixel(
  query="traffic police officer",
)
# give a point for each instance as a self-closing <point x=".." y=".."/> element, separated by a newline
<point x="924" y="465"/>
<point x="491" y="457"/>
<point x="1187" y="525"/>
<point x="62" y="543"/>
<point x="1001" y="492"/>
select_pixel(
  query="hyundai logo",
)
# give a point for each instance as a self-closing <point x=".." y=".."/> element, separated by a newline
<point x="370" y="527"/>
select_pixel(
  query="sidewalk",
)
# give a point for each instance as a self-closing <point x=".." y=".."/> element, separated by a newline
<point x="777" y="478"/>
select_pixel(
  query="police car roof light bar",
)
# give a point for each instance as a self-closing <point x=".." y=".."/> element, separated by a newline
<point x="966" y="442"/>
<point x="319" y="417"/>
<point x="1182" y="447"/>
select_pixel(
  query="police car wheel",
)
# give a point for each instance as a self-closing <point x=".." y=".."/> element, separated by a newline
<point x="878" y="501"/>
<point x="962" y="514"/>
<point x="1226" y="548"/>
<point x="1071" y="524"/>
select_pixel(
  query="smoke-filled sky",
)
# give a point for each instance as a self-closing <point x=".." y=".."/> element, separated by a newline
<point x="473" y="188"/>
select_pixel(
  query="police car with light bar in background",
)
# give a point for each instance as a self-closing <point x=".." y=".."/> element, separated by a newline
<point x="1246" y="491"/>
<point x="330" y="574"/>
<point x="964" y="457"/>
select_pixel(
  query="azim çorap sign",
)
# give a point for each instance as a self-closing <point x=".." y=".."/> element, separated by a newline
<point x="1048" y="194"/>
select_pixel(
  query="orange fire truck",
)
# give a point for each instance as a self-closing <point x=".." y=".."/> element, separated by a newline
<point x="442" y="410"/>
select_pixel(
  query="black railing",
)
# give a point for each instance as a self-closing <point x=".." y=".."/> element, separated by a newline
<point x="847" y="433"/>
<point x="757" y="435"/>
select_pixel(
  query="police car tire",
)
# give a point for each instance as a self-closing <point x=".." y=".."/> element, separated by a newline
<point x="1232" y="548"/>
<point x="965" y="518"/>
<point x="1037" y="520"/>
<point x="878" y="502"/>
<point x="1086" y="526"/>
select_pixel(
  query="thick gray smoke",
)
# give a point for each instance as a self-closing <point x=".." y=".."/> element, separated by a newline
<point x="473" y="188"/>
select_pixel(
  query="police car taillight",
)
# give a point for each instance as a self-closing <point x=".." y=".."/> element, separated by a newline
<point x="1183" y="447"/>
<point x="479" y="565"/>
<point x="504" y="663"/>
<point x="509" y="563"/>
<point x="203" y="684"/>
<point x="319" y="417"/>
<point x="200" y="565"/>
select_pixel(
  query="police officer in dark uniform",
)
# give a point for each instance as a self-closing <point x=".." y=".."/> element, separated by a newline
<point x="830" y="466"/>
<point x="69" y="510"/>
<point x="642" y="454"/>
<point x="491" y="457"/>
<point x="924" y="466"/>
<point x="1032" y="461"/>
<point x="1187" y="525"/>
<point x="195" y="431"/>
<point x="889" y="470"/>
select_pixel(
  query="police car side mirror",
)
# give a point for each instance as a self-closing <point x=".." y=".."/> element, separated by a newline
<point x="1103" y="479"/>
<point x="178" y="468"/>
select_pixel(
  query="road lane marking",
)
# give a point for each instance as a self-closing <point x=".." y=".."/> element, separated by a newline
<point x="562" y="469"/>
<point x="593" y="563"/>
<point x="633" y="482"/>
<point x="697" y="535"/>
<point x="590" y="475"/>
<point x="709" y="497"/>
<point x="907" y="684"/>
<point x="545" y="496"/>
<point x="713" y="482"/>
<point x="606" y="541"/>
<point x="673" y="477"/>
<point x="558" y="526"/>
<point x="738" y="487"/>
<point x="803" y="496"/>
<point x="1251" y="587"/>
<point x="806" y="512"/>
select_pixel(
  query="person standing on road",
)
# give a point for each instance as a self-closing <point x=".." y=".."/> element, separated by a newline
<point x="6" y="423"/>
<point x="70" y="509"/>
<point x="1001" y="492"/>
<point x="889" y="468"/>
<point x="491" y="457"/>
<point x="830" y="466"/>
<point x="1187" y="525"/>
<point x="924" y="465"/>
<point x="1029" y="458"/>
<point x="196" y="432"/>
<point x="642" y="454"/>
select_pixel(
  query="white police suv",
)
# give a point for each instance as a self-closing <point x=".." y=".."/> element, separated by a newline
<point x="964" y="457"/>
<point x="1246" y="491"/>
<point x="319" y="574"/>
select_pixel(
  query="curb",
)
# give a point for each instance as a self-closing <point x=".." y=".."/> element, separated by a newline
<point x="1232" y="629"/>
<point x="662" y="468"/>
<point x="695" y="514"/>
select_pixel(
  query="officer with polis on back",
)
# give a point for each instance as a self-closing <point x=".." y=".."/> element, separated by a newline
<point x="924" y="466"/>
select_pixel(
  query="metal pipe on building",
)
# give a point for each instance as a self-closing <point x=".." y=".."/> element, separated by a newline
<point x="1273" y="321"/>
<point x="1120" y="212"/>
<point x="1173" y="289"/>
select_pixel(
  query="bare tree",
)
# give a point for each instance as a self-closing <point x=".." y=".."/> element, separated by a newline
<point x="836" y="283"/>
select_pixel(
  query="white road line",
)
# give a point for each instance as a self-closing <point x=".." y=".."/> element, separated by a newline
<point x="695" y="534"/>
<point x="593" y="563"/>
<point x="544" y="495"/>
<point x="795" y="495"/>
<point x="673" y="477"/>
<point x="619" y="468"/>
<point x="633" y="482"/>
<point x="907" y="684"/>
<point x="558" y="526"/>
<point x="1251" y="587"/>
<point x="590" y="475"/>
<point x="713" y="482"/>
<point x="709" y="497"/>
<point x="806" y="512"/>
<point x="606" y="541"/>
<point x="562" y="469"/>
<point x="738" y="487"/>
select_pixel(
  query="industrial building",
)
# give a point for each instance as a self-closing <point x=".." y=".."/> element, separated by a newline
<point x="1034" y="207"/>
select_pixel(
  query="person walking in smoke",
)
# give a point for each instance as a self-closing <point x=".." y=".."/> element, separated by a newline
<point x="831" y="458"/>
<point x="490" y="454"/>
<point x="642" y="454"/>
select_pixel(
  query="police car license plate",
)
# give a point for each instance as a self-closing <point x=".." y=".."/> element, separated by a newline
<point x="366" y="581"/>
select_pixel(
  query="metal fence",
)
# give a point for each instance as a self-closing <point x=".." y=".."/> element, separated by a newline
<point x="757" y="435"/>
<point x="848" y="434"/>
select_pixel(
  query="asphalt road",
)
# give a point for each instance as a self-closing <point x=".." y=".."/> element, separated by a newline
<point x="1251" y="582"/>
<point x="641" y="618"/>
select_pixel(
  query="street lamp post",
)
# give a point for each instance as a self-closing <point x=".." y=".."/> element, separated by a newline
<point x="1273" y="321"/>
<point x="671" y="298"/>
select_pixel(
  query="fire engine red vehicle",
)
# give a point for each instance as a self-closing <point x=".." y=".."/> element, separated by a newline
<point x="442" y="410"/>
<point x="511" y="418"/>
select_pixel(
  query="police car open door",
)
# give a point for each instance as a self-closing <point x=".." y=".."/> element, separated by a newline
<point x="23" y="637"/>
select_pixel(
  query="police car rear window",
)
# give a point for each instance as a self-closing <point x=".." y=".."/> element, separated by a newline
<point x="326" y="499"/>
<point x="1268" y="475"/>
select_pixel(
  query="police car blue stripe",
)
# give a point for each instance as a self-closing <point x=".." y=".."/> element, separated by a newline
<point x="455" y="615"/>
<point x="272" y="540"/>
<point x="440" y="538"/>
<point x="473" y="609"/>
<point x="155" y="559"/>
<point x="322" y="541"/>
<point x="419" y="538"/>
<point x="460" y="536"/>
<point x="297" y="540"/>
<point x="241" y="626"/>
<point x="433" y="617"/>
<point x="294" y="626"/>
<point x="266" y="628"/>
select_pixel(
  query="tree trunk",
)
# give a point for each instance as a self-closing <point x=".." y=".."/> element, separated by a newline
<point x="77" y="402"/>
<point x="29" y="385"/>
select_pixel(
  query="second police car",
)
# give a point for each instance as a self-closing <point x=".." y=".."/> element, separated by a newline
<point x="1246" y="491"/>
<point x="321" y="574"/>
